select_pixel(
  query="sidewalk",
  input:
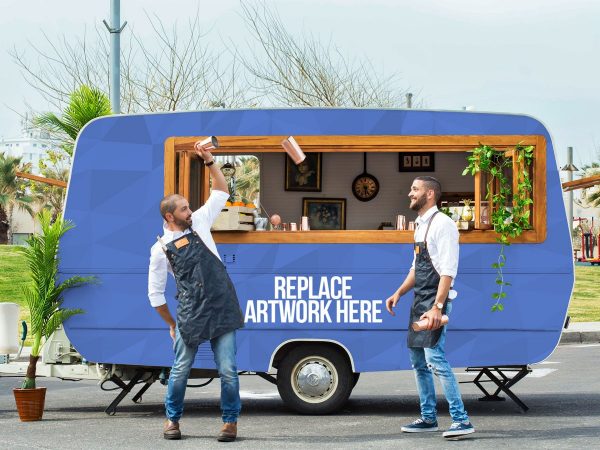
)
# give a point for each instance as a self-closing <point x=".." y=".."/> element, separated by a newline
<point x="581" y="333"/>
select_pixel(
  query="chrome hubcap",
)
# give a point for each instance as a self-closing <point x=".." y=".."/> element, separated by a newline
<point x="314" y="379"/>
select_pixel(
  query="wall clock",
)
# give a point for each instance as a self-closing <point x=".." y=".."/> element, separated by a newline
<point x="365" y="186"/>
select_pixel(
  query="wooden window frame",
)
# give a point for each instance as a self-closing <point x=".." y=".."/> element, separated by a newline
<point x="179" y="150"/>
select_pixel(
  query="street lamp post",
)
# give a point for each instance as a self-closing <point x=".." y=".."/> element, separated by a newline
<point x="570" y="168"/>
<point x="115" y="29"/>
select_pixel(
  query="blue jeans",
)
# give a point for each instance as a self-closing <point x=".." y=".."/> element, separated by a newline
<point x="224" y="350"/>
<point x="429" y="361"/>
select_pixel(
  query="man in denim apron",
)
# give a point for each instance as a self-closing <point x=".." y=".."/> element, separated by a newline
<point x="432" y="276"/>
<point x="208" y="308"/>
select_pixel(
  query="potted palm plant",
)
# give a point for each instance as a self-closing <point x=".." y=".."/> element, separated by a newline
<point x="44" y="297"/>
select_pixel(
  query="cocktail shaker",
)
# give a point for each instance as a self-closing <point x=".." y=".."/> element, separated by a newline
<point x="292" y="148"/>
<point x="210" y="143"/>
<point x="422" y="324"/>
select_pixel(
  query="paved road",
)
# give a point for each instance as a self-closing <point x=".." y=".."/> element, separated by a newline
<point x="563" y="394"/>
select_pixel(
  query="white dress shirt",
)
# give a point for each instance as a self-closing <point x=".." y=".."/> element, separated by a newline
<point x="442" y="242"/>
<point x="202" y="220"/>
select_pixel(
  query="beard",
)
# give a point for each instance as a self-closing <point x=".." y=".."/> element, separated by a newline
<point x="418" y="203"/>
<point x="183" y="223"/>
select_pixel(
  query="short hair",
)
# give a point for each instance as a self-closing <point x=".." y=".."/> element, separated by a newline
<point x="433" y="184"/>
<point x="169" y="204"/>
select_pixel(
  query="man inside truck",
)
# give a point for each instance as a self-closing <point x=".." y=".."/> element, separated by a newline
<point x="432" y="275"/>
<point x="208" y="308"/>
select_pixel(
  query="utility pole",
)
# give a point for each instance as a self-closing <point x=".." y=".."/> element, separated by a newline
<point x="115" y="29"/>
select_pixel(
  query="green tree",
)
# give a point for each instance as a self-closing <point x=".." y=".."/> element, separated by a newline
<point x="56" y="166"/>
<point x="85" y="104"/>
<point x="247" y="177"/>
<point x="12" y="194"/>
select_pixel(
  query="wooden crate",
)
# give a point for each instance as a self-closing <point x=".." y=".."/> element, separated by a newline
<point x="234" y="218"/>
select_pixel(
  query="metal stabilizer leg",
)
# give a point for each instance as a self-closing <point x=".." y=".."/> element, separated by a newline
<point x="125" y="389"/>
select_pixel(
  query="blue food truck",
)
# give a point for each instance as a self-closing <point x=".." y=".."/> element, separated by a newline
<point x="314" y="301"/>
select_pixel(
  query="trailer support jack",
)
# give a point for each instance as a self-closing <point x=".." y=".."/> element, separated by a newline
<point x="126" y="389"/>
<point x="503" y="382"/>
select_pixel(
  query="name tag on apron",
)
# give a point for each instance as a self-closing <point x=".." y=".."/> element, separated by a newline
<point x="182" y="242"/>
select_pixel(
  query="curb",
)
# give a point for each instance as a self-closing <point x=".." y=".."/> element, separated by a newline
<point x="580" y="337"/>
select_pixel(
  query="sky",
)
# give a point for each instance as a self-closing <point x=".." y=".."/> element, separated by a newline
<point x="534" y="57"/>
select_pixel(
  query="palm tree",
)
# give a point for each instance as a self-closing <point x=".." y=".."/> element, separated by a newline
<point x="12" y="194"/>
<point x="590" y="197"/>
<point x="55" y="166"/>
<point x="51" y="197"/>
<point x="85" y="103"/>
<point x="44" y="293"/>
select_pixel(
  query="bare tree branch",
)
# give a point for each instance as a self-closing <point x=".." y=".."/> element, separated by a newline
<point x="177" y="68"/>
<point x="307" y="72"/>
<point x="173" y="70"/>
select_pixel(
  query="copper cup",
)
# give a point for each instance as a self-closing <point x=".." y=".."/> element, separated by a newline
<point x="400" y="222"/>
<point x="294" y="151"/>
<point x="421" y="325"/>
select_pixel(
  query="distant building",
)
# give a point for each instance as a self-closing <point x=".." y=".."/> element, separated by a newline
<point x="31" y="146"/>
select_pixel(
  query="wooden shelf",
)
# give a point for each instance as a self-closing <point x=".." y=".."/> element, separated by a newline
<point x="353" y="237"/>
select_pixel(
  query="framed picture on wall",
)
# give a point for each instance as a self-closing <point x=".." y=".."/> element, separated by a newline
<point x="305" y="176"/>
<point x="325" y="213"/>
<point x="417" y="162"/>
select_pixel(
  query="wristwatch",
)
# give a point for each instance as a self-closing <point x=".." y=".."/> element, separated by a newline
<point x="210" y="163"/>
<point x="439" y="305"/>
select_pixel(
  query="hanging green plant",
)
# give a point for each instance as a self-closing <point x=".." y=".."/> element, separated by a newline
<point x="511" y="211"/>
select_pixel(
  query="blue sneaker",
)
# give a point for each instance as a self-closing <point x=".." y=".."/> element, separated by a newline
<point x="420" y="426"/>
<point x="458" y="429"/>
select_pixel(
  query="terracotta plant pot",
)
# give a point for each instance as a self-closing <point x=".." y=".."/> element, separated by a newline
<point x="30" y="403"/>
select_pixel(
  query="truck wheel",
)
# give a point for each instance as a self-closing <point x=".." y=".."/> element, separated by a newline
<point x="315" y="379"/>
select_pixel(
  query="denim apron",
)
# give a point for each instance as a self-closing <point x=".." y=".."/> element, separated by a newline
<point x="208" y="305"/>
<point x="426" y="285"/>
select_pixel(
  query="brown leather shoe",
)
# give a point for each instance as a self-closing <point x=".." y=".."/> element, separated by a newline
<point x="171" y="430"/>
<point x="228" y="432"/>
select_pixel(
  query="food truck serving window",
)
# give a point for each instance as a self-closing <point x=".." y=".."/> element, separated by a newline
<point x="353" y="189"/>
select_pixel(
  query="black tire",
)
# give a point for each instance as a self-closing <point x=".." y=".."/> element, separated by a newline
<point x="325" y="365"/>
<point x="355" y="380"/>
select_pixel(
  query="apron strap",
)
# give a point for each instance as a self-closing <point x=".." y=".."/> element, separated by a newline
<point x="162" y="244"/>
<point x="428" y="225"/>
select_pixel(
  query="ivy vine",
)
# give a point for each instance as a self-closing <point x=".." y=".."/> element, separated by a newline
<point x="510" y="211"/>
